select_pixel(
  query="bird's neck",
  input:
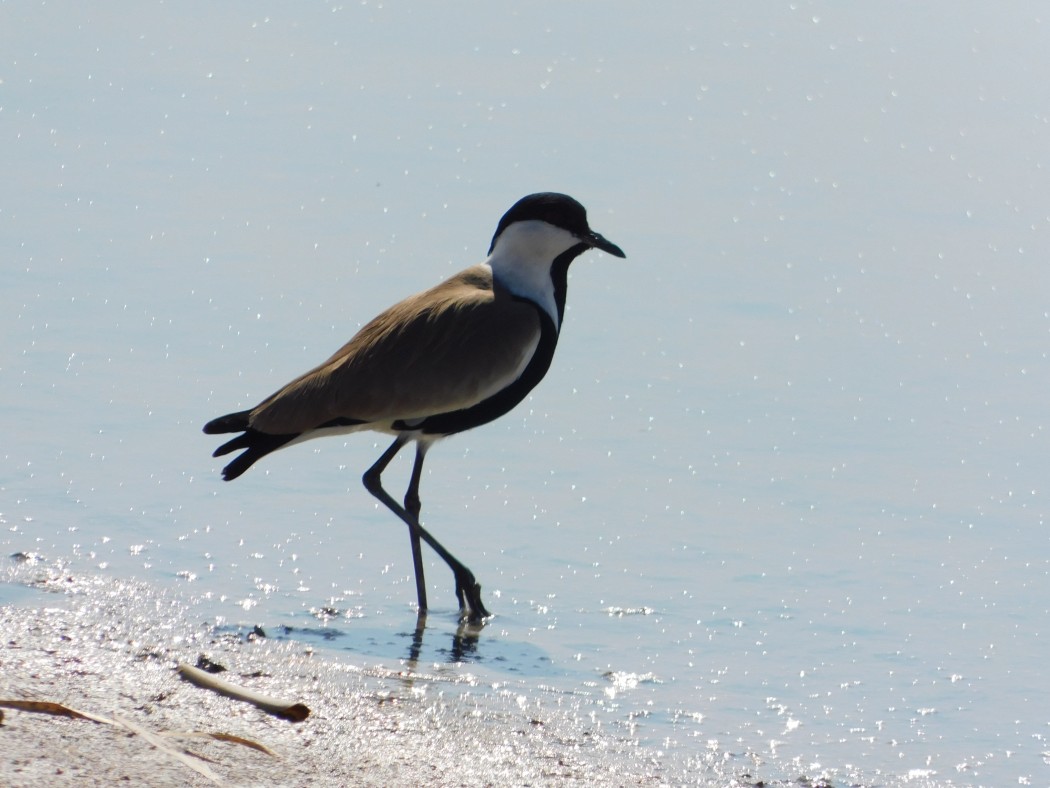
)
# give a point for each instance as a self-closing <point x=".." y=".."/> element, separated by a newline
<point x="530" y="259"/>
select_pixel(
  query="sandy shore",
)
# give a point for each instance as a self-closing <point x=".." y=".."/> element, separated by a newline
<point x="111" y="649"/>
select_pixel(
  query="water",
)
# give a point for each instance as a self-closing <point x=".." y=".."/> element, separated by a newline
<point x="780" y="502"/>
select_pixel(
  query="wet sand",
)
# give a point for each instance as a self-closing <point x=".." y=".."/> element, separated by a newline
<point x="111" y="649"/>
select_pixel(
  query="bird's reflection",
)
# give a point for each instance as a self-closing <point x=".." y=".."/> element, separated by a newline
<point x="464" y="646"/>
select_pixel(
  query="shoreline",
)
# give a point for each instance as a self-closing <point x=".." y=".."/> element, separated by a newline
<point x="111" y="649"/>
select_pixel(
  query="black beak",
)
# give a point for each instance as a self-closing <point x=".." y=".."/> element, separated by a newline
<point x="598" y="242"/>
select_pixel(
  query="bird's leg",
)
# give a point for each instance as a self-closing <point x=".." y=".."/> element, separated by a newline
<point x="412" y="506"/>
<point x="468" y="591"/>
<point x="412" y="502"/>
<point x="373" y="483"/>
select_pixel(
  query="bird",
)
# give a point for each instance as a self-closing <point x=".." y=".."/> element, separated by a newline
<point x="450" y="358"/>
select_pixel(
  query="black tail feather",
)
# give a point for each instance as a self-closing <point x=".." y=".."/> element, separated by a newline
<point x="244" y="441"/>
<point x="258" y="444"/>
<point x="231" y="422"/>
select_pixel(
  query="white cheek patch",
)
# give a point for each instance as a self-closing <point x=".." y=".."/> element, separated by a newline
<point x="521" y="261"/>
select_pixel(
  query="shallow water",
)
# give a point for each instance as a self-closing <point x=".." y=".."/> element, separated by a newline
<point x="781" y="499"/>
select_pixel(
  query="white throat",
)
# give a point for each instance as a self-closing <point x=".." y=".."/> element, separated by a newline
<point x="522" y="257"/>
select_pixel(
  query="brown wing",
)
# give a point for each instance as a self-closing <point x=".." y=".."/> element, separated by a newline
<point x="444" y="349"/>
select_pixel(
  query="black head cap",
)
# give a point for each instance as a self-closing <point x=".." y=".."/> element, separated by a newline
<point x="561" y="210"/>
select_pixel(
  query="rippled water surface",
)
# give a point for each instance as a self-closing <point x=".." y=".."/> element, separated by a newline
<point x="780" y="502"/>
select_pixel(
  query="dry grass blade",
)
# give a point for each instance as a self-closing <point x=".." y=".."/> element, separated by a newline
<point x="58" y="710"/>
<point x="55" y="709"/>
<point x="193" y="762"/>
<point x="227" y="737"/>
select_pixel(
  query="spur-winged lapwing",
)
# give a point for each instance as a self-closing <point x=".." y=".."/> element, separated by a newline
<point x="440" y="362"/>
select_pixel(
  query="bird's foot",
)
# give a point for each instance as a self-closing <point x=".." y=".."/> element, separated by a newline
<point x="471" y="608"/>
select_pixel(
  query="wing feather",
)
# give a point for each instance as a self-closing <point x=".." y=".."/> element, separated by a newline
<point x="444" y="349"/>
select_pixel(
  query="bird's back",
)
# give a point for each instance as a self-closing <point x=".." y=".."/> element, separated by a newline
<point x="445" y="349"/>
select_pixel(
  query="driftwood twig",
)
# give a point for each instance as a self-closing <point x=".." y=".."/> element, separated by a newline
<point x="296" y="712"/>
